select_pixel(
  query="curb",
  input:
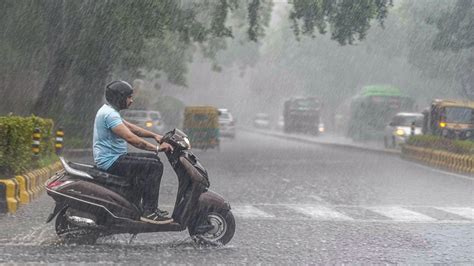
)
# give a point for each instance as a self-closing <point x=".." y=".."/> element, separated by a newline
<point x="324" y="143"/>
<point x="22" y="189"/>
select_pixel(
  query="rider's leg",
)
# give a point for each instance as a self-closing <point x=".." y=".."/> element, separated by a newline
<point x="151" y="181"/>
<point x="146" y="169"/>
<point x="147" y="172"/>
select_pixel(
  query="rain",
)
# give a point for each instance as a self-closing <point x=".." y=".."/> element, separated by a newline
<point x="302" y="131"/>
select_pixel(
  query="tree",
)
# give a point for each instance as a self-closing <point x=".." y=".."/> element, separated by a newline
<point x="95" y="36"/>
<point x="456" y="33"/>
<point x="22" y="53"/>
<point x="346" y="18"/>
<point x="74" y="47"/>
<point x="440" y="39"/>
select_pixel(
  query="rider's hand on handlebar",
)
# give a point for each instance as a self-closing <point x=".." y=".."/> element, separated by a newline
<point x="164" y="147"/>
<point x="158" y="138"/>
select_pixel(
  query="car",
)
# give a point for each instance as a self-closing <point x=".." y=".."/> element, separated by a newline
<point x="400" y="128"/>
<point x="147" y="119"/>
<point x="261" y="120"/>
<point x="226" y="123"/>
<point x="321" y="128"/>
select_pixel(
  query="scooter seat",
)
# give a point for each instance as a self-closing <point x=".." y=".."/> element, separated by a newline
<point x="100" y="176"/>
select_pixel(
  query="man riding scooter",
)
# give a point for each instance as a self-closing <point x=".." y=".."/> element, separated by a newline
<point x="111" y="135"/>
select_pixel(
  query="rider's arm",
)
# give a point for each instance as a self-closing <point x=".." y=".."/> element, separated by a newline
<point x="141" y="132"/>
<point x="124" y="132"/>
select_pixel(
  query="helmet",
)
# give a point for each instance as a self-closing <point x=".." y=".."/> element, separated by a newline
<point x="116" y="93"/>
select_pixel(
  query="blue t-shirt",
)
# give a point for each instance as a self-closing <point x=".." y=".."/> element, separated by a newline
<point x="107" y="146"/>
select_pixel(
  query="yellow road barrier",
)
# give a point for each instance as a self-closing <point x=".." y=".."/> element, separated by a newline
<point x="22" y="189"/>
<point x="443" y="159"/>
<point x="10" y="199"/>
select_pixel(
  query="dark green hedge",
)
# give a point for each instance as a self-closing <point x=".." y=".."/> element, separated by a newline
<point x="15" y="143"/>
<point x="440" y="143"/>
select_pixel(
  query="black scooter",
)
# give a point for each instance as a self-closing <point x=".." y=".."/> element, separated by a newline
<point x="89" y="202"/>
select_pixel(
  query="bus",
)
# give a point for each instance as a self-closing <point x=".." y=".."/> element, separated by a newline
<point x="372" y="109"/>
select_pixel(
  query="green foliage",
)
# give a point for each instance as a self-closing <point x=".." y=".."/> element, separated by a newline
<point x="258" y="17"/>
<point x="168" y="55"/>
<point x="70" y="49"/>
<point x="440" y="143"/>
<point x="456" y="27"/>
<point x="248" y="25"/>
<point x="440" y="41"/>
<point x="456" y="33"/>
<point x="346" y="19"/>
<point x="16" y="139"/>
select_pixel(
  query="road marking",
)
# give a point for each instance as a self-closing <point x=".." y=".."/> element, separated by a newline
<point x="249" y="211"/>
<point x="401" y="214"/>
<point x="463" y="212"/>
<point x="321" y="213"/>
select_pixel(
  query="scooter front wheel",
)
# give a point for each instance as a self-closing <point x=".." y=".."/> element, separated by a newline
<point x="223" y="228"/>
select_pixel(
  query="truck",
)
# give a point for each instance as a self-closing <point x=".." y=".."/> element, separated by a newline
<point x="302" y="115"/>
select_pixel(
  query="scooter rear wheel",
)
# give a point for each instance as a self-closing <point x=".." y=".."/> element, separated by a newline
<point x="223" y="230"/>
<point x="73" y="233"/>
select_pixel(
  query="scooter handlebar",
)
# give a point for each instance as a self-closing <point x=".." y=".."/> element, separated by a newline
<point x="159" y="149"/>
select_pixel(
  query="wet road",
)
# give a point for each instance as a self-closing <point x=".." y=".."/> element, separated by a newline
<point x="294" y="203"/>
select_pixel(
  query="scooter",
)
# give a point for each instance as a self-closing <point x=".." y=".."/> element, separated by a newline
<point x="89" y="204"/>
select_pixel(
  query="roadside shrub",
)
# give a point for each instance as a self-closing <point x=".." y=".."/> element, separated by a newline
<point x="440" y="143"/>
<point x="15" y="143"/>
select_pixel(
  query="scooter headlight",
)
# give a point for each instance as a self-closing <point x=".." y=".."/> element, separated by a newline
<point x="185" y="144"/>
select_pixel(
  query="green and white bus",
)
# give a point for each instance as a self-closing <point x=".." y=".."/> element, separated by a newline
<point x="372" y="109"/>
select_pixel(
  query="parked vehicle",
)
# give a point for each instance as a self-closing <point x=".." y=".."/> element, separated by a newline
<point x="261" y="120"/>
<point x="452" y="119"/>
<point x="226" y="123"/>
<point x="302" y="115"/>
<point x="401" y="127"/>
<point x="150" y="120"/>
<point x="90" y="203"/>
<point x="201" y="123"/>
